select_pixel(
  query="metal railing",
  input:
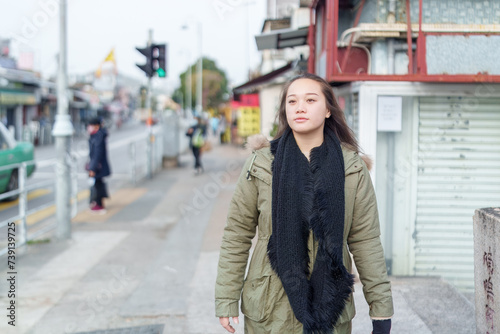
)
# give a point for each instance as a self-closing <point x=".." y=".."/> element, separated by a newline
<point x="22" y="193"/>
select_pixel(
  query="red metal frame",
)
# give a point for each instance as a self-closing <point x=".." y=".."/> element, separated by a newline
<point x="311" y="62"/>
<point x="421" y="75"/>
<point x="332" y="24"/>
<point x="421" y="49"/>
<point x="408" y="38"/>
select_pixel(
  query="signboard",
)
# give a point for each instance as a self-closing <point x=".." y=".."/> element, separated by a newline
<point x="15" y="98"/>
<point x="389" y="113"/>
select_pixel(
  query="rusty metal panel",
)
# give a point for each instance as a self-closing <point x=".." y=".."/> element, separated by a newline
<point x="458" y="172"/>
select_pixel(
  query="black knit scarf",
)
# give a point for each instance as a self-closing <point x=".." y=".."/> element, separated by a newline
<point x="310" y="195"/>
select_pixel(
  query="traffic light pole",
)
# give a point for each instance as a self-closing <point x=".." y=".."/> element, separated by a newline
<point x="63" y="130"/>
<point x="149" y="121"/>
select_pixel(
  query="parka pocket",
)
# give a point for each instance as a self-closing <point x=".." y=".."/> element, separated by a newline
<point x="255" y="298"/>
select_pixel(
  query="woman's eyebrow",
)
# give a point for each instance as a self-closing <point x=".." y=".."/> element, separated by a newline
<point x="305" y="94"/>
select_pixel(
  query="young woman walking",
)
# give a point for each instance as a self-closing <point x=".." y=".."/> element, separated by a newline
<point x="310" y="195"/>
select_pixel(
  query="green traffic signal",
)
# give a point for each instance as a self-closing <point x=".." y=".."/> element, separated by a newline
<point x="161" y="72"/>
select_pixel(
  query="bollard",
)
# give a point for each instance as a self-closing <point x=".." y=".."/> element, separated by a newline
<point x="487" y="270"/>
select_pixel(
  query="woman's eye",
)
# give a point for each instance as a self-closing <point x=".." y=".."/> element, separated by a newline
<point x="311" y="100"/>
<point x="291" y="101"/>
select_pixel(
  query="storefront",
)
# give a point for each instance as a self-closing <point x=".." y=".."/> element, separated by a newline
<point x="17" y="106"/>
<point x="439" y="152"/>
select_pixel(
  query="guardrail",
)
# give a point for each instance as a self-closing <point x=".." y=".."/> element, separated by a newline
<point x="142" y="165"/>
<point x="22" y="193"/>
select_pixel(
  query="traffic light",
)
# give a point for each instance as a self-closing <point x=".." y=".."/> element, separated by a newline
<point x="147" y="68"/>
<point x="155" y="60"/>
<point x="158" y="54"/>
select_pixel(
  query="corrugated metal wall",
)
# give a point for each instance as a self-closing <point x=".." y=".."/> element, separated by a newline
<point x="458" y="172"/>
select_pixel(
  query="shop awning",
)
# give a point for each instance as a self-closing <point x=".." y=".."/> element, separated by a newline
<point x="263" y="79"/>
<point x="283" y="38"/>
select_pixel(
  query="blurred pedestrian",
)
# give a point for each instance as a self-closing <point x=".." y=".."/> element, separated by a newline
<point x="197" y="134"/>
<point x="214" y="124"/>
<point x="309" y="194"/>
<point x="98" y="166"/>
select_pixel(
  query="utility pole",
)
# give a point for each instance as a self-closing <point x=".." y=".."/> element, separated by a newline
<point x="149" y="144"/>
<point x="63" y="130"/>
<point x="199" y="76"/>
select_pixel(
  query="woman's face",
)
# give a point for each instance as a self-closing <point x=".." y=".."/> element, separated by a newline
<point x="306" y="107"/>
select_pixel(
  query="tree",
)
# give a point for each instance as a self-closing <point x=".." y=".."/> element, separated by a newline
<point x="214" y="86"/>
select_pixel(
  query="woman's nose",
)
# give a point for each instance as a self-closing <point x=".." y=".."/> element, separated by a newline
<point x="300" y="107"/>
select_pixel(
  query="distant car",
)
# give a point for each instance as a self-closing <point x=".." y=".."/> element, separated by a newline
<point x="12" y="152"/>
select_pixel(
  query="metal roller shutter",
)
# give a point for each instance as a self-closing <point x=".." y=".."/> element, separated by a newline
<point x="458" y="172"/>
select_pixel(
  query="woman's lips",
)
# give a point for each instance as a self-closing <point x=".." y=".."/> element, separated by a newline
<point x="301" y="120"/>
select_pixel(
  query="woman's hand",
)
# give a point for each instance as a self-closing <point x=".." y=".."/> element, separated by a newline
<point x="224" y="321"/>
<point x="91" y="173"/>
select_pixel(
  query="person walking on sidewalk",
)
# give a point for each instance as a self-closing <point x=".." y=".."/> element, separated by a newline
<point x="98" y="166"/>
<point x="309" y="193"/>
<point x="197" y="134"/>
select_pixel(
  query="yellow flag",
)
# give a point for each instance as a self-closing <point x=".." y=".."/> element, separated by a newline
<point x="111" y="56"/>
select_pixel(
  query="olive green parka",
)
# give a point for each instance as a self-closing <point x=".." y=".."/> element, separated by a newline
<point x="263" y="299"/>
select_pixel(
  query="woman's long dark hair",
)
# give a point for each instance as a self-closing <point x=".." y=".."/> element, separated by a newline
<point x="336" y="122"/>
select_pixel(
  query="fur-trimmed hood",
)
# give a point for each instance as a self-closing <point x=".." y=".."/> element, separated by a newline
<point x="259" y="141"/>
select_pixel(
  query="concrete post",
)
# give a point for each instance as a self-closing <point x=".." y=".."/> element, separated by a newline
<point x="487" y="270"/>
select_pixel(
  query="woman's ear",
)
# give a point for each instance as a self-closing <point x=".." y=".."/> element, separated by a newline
<point x="328" y="114"/>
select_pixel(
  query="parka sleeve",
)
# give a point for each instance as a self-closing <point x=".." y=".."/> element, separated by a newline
<point x="236" y="242"/>
<point x="366" y="248"/>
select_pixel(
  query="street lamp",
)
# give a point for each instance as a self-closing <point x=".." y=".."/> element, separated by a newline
<point x="199" y="71"/>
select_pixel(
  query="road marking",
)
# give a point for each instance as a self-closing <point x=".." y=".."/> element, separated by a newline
<point x="31" y="195"/>
<point x="51" y="210"/>
<point x="118" y="200"/>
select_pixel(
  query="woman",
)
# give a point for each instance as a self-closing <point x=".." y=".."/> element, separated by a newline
<point x="98" y="166"/>
<point x="311" y="197"/>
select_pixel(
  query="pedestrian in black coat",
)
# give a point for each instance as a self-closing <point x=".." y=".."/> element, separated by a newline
<point x="192" y="133"/>
<point x="98" y="166"/>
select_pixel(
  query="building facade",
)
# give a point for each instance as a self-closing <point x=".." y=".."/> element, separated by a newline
<point x="420" y="85"/>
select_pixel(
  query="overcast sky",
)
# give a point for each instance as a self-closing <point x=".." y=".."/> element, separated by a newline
<point x="96" y="26"/>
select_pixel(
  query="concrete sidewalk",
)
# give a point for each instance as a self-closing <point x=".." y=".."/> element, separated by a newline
<point x="149" y="266"/>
